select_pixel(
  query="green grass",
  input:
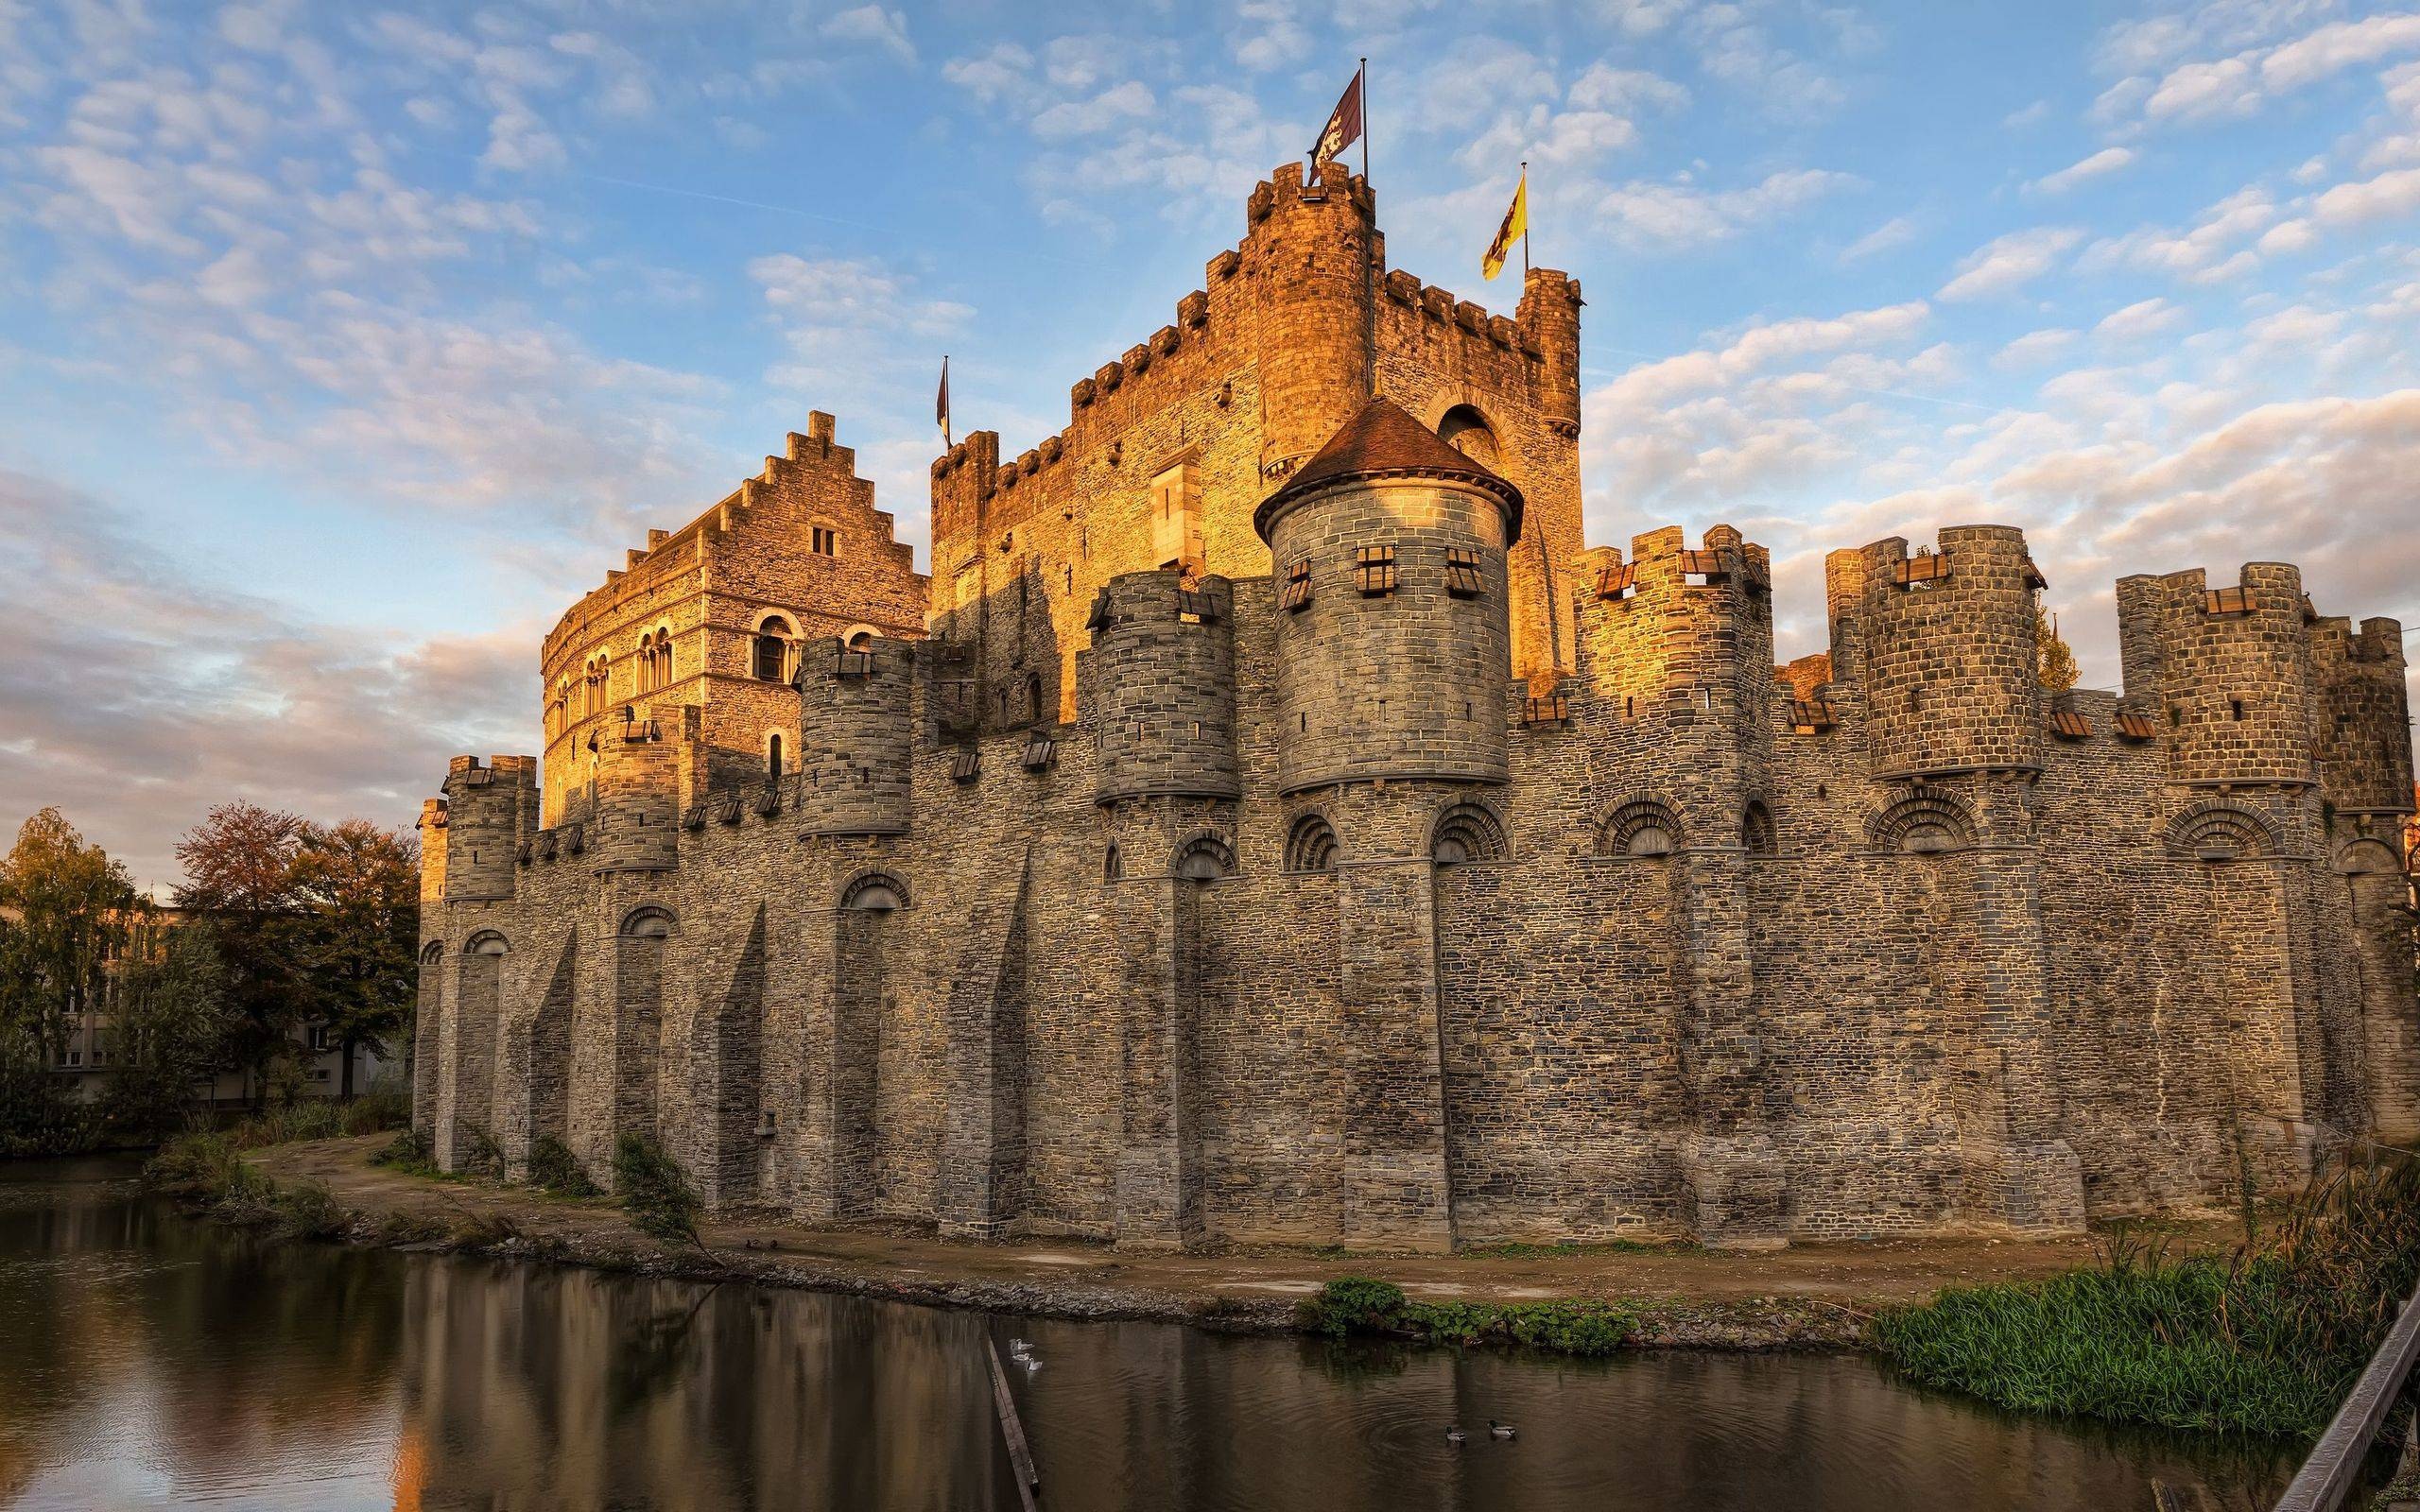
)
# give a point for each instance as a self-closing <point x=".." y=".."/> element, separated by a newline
<point x="2265" y="1341"/>
<point x="1358" y="1305"/>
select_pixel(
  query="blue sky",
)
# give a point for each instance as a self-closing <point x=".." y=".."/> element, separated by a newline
<point x="340" y="346"/>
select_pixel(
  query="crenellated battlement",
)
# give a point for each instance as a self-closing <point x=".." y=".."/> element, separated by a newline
<point x="1162" y="670"/>
<point x="1675" y="628"/>
<point x="2361" y="723"/>
<point x="2226" y="673"/>
<point x="1944" y="645"/>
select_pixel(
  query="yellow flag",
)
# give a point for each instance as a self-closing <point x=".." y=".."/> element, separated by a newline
<point x="1516" y="225"/>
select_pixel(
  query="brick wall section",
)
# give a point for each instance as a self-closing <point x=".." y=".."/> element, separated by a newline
<point x="1745" y="955"/>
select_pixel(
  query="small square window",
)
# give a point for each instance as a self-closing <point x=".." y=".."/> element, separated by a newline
<point x="1297" y="594"/>
<point x="1461" y="573"/>
<point x="825" y="541"/>
<point x="1374" y="571"/>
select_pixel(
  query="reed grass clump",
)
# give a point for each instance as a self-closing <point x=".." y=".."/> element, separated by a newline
<point x="2267" y="1340"/>
<point x="656" y="1192"/>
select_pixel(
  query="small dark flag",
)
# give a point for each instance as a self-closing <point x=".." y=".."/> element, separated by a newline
<point x="1343" y="126"/>
<point x="940" y="404"/>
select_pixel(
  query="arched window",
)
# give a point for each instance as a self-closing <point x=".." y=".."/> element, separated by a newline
<point x="1467" y="832"/>
<point x="1640" y="827"/>
<point x="1466" y="430"/>
<point x="1756" y="833"/>
<point x="1926" y="822"/>
<point x="2217" y="832"/>
<point x="647" y="923"/>
<point x="1311" y="845"/>
<point x="486" y="942"/>
<point x="1112" y="866"/>
<point x="772" y="649"/>
<point x="1033" y="697"/>
<point x="1203" y="857"/>
<point x="432" y="953"/>
<point x="774" y="756"/>
<point x="875" y="892"/>
<point x="858" y="638"/>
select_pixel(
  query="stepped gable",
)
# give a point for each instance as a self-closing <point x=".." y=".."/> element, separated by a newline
<point x="1384" y="440"/>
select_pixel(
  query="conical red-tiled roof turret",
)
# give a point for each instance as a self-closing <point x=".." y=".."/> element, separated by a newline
<point x="1384" y="440"/>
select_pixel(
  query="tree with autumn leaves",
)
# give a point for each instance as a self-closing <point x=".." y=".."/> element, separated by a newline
<point x="285" y="925"/>
<point x="315" y="924"/>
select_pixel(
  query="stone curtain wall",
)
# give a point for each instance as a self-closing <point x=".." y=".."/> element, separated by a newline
<point x="2072" y="1010"/>
<point x="1889" y="943"/>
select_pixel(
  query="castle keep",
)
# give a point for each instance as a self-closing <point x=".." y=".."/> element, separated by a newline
<point x="1273" y="822"/>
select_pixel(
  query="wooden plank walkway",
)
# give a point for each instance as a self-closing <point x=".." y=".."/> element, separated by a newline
<point x="1011" y="1429"/>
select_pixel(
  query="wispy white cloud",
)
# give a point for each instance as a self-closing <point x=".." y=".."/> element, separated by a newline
<point x="2009" y="263"/>
<point x="2107" y="161"/>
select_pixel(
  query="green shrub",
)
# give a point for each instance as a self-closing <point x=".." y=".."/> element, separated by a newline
<point x="656" y="1191"/>
<point x="387" y="1105"/>
<point x="554" y="1168"/>
<point x="1357" y="1304"/>
<point x="201" y="1166"/>
<point x="1353" y="1304"/>
<point x="307" y="1210"/>
<point x="408" y="1152"/>
<point x="2267" y="1341"/>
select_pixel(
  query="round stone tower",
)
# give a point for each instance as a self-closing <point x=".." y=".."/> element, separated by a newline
<point x="1163" y="673"/>
<point x="857" y="736"/>
<point x="1948" y="654"/>
<point x="483" y="824"/>
<point x="1312" y="253"/>
<point x="2224" y="673"/>
<point x="1393" y="636"/>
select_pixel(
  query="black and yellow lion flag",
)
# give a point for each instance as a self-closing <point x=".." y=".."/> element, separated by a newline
<point x="1516" y="226"/>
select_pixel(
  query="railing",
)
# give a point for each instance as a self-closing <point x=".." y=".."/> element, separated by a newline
<point x="2335" y="1461"/>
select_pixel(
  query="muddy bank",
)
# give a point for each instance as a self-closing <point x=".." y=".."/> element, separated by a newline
<point x="1807" y="1297"/>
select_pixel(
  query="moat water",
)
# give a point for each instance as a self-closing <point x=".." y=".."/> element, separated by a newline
<point x="147" y="1360"/>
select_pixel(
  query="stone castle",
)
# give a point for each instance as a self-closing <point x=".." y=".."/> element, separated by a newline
<point x="1273" y="822"/>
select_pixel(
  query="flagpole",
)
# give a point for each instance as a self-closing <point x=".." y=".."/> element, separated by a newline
<point x="1525" y="223"/>
<point x="1364" y="87"/>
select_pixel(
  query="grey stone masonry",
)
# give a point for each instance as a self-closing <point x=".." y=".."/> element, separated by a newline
<point x="1289" y="830"/>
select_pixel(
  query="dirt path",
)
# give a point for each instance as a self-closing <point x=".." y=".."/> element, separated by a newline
<point x="1806" y="1295"/>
